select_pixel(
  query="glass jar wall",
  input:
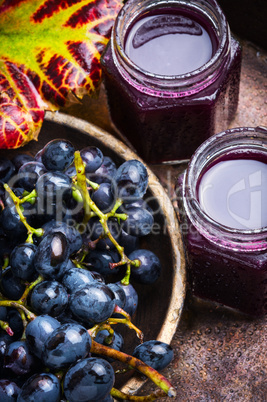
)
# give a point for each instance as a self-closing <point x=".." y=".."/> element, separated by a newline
<point x="226" y="240"/>
<point x="168" y="111"/>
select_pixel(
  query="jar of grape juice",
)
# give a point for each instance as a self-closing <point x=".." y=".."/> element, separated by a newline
<point x="171" y="73"/>
<point x="222" y="200"/>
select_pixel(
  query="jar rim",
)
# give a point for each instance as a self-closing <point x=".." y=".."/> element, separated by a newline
<point x="210" y="150"/>
<point x="193" y="81"/>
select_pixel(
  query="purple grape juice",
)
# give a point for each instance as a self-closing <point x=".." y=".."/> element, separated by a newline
<point x="171" y="73"/>
<point x="169" y="44"/>
<point x="234" y="193"/>
<point x="223" y="212"/>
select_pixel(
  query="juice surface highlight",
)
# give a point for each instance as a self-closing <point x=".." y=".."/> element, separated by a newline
<point x="168" y="44"/>
<point x="234" y="193"/>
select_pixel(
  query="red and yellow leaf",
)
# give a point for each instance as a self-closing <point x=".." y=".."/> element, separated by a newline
<point x="49" y="56"/>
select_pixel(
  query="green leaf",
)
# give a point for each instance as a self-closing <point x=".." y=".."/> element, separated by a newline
<point x="49" y="57"/>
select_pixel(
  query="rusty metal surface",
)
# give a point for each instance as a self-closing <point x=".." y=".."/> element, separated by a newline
<point x="219" y="355"/>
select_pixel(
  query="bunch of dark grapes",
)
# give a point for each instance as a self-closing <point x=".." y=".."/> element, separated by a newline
<point x="70" y="225"/>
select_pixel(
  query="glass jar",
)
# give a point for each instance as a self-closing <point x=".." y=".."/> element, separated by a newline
<point x="166" y="117"/>
<point x="227" y="264"/>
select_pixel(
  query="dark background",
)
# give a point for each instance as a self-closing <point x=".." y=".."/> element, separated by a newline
<point x="247" y="19"/>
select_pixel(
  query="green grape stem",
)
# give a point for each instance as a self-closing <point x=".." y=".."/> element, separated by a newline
<point x="93" y="185"/>
<point x="137" y="364"/>
<point x="90" y="206"/>
<point x="17" y="201"/>
<point x="29" y="287"/>
<point x="6" y="262"/>
<point x="126" y="321"/>
<point x="82" y="185"/>
<point x="129" y="324"/>
<point x="15" y="304"/>
<point x="100" y="327"/>
<point x="30" y="197"/>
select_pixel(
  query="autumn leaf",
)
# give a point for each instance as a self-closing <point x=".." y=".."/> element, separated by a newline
<point x="49" y="57"/>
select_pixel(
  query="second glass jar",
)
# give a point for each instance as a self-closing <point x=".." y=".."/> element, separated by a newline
<point x="166" y="116"/>
<point x="222" y="205"/>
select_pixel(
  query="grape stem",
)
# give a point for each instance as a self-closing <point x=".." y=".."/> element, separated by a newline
<point x="17" y="201"/>
<point x="93" y="185"/>
<point x="29" y="287"/>
<point x="11" y="303"/>
<point x="137" y="364"/>
<point x="6" y="262"/>
<point x="82" y="185"/>
<point x="5" y="326"/>
<point x="100" y="327"/>
<point x="89" y="206"/>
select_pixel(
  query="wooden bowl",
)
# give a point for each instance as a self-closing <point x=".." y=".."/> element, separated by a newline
<point x="160" y="305"/>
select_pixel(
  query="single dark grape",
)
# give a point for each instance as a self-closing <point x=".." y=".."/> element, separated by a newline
<point x="100" y="261"/>
<point x="149" y="270"/>
<point x="38" y="330"/>
<point x="41" y="387"/>
<point x="65" y="345"/>
<point x="92" y="157"/>
<point x="131" y="298"/>
<point x="21" y="261"/>
<point x="139" y="222"/>
<point x="105" y="173"/>
<point x="18" y="358"/>
<point x="103" y="197"/>
<point x="58" y="154"/>
<point x="89" y="380"/>
<point x="93" y="303"/>
<point x="73" y="236"/>
<point x="154" y="353"/>
<point x="52" y="255"/>
<point x="132" y="180"/>
<point x="54" y="187"/>
<point x="49" y="297"/>
<point x="12" y="224"/>
<point x="75" y="278"/>
<point x="29" y="173"/>
<point x="11" y="286"/>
